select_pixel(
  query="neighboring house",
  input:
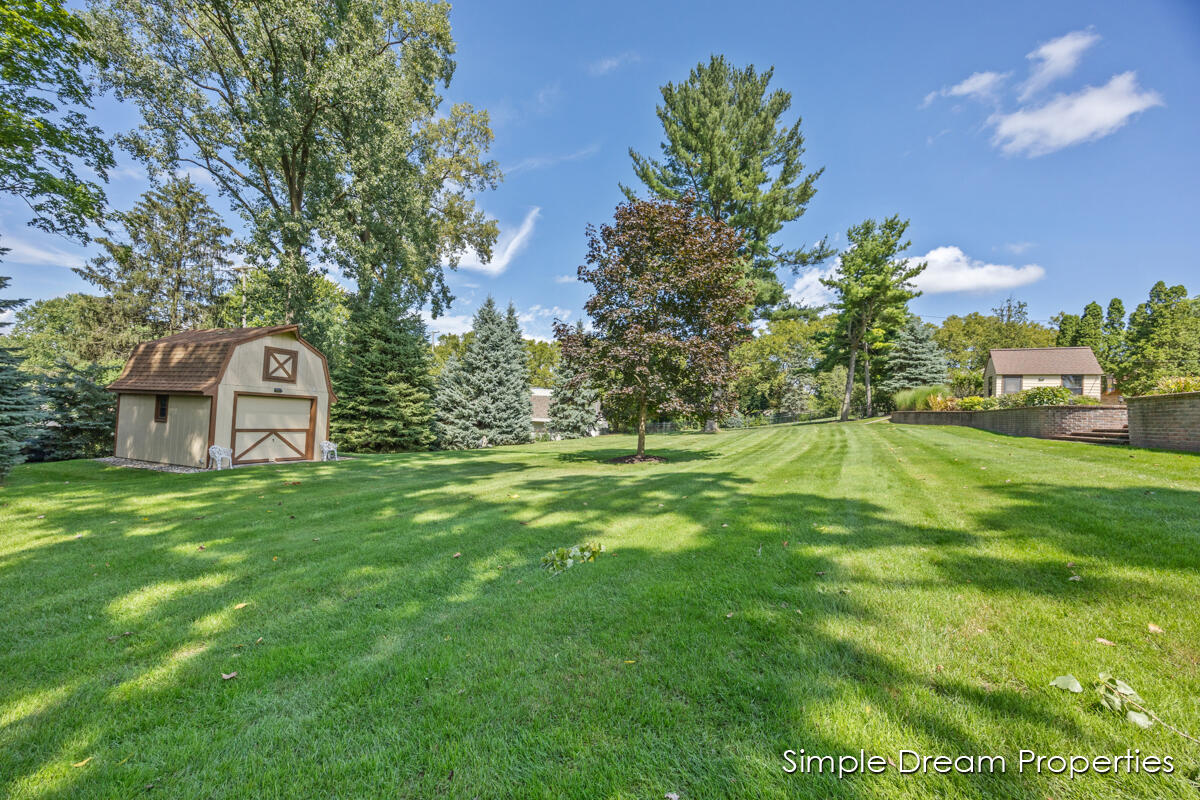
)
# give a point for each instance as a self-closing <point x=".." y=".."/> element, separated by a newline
<point x="1015" y="369"/>
<point x="541" y="408"/>
<point x="263" y="392"/>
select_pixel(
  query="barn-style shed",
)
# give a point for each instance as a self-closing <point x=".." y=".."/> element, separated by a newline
<point x="262" y="392"/>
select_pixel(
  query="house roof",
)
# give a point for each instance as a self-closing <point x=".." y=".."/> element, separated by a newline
<point x="541" y="404"/>
<point x="1045" y="361"/>
<point x="191" y="362"/>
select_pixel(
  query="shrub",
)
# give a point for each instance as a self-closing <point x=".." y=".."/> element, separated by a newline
<point x="1084" y="400"/>
<point x="918" y="399"/>
<point x="942" y="402"/>
<point x="1177" y="385"/>
<point x="966" y="382"/>
<point x="1041" y="396"/>
<point x="977" y="403"/>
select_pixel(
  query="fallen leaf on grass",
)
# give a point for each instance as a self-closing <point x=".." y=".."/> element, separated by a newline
<point x="457" y="555"/>
<point x="821" y="572"/>
<point x="84" y="762"/>
<point x="201" y="547"/>
<point x="240" y="605"/>
<point x="1067" y="682"/>
<point x="120" y="636"/>
<point x="79" y="536"/>
<point x="1105" y="642"/>
<point x="630" y="661"/>
<point x="671" y="796"/>
<point x="228" y="676"/>
<point x="1154" y="628"/>
<point x="730" y="614"/>
<point x="40" y="516"/>
<point x="1075" y="578"/>
<point x="291" y="483"/>
<point x="258" y="640"/>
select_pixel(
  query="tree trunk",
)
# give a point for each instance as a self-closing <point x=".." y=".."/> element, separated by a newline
<point x="867" y="376"/>
<point x="711" y="426"/>
<point x="849" y="384"/>
<point x="641" y="450"/>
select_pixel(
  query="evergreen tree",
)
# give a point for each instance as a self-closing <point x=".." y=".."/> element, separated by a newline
<point x="18" y="407"/>
<point x="483" y="399"/>
<point x="573" y="403"/>
<point x="1068" y="329"/>
<point x="1114" y="337"/>
<point x="82" y="413"/>
<point x="728" y="144"/>
<point x="915" y="358"/>
<point x="383" y="382"/>
<point x="1163" y="339"/>
<point x="1091" y="328"/>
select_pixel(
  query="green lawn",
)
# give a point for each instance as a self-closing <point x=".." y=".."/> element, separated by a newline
<point x="827" y="587"/>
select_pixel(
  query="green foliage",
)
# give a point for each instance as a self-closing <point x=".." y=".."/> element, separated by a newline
<point x="383" y="383"/>
<point x="727" y="143"/>
<point x="1163" y="340"/>
<point x="170" y="273"/>
<point x="78" y="329"/>
<point x="977" y="403"/>
<point x="45" y="139"/>
<point x="255" y="301"/>
<point x="966" y="340"/>
<point x="919" y="398"/>
<point x="18" y="406"/>
<point x="562" y="559"/>
<point x="914" y="358"/>
<point x="324" y="128"/>
<point x="1039" y="396"/>
<point x="1120" y="698"/>
<point x="80" y="413"/>
<point x="966" y="382"/>
<point x="871" y="287"/>
<point x="543" y="358"/>
<point x="777" y="367"/>
<point x="1177" y="385"/>
<point x="447" y="346"/>
<point x="574" y="403"/>
<point x="484" y="399"/>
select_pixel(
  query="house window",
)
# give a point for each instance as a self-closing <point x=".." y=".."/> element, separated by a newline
<point x="1012" y="384"/>
<point x="160" y="407"/>
<point x="279" y="364"/>
<point x="1074" y="383"/>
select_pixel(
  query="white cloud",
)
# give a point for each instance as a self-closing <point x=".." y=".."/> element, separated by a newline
<point x="1018" y="247"/>
<point x="951" y="270"/>
<point x="7" y="317"/>
<point x="452" y="323"/>
<point x="606" y="65"/>
<point x="542" y="162"/>
<point x="23" y="252"/>
<point x="507" y="247"/>
<point x="1056" y="59"/>
<point x="979" y="86"/>
<point x="565" y="278"/>
<point x="1091" y="113"/>
<point x="807" y="289"/>
<point x="541" y="313"/>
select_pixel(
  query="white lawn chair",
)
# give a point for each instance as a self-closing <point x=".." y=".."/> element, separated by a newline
<point x="329" y="451"/>
<point x="217" y="454"/>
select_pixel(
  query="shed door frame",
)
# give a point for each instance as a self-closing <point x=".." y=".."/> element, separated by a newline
<point x="310" y="433"/>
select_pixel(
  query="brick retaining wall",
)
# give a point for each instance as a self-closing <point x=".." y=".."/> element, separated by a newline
<point x="1165" y="421"/>
<point x="1042" y="422"/>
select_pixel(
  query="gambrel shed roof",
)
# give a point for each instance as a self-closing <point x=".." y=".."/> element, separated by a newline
<point x="192" y="362"/>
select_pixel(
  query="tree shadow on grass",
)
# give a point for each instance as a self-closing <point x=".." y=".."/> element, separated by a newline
<point x="388" y="665"/>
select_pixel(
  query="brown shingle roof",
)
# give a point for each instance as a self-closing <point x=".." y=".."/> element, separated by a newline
<point x="188" y="362"/>
<point x="1045" y="361"/>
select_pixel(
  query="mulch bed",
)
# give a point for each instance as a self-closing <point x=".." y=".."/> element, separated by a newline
<point x="636" y="459"/>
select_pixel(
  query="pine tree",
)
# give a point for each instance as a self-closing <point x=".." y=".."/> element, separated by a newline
<point x="82" y="410"/>
<point x="484" y="399"/>
<point x="573" y="412"/>
<point x="383" y="383"/>
<point x="18" y="407"/>
<point x="1091" y="328"/>
<point x="1114" y="337"/>
<point x="915" y="358"/>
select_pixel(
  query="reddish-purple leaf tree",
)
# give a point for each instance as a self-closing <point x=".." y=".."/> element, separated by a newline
<point x="669" y="305"/>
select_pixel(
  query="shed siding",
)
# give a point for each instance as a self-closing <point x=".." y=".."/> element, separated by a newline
<point x="245" y="374"/>
<point x="181" y="440"/>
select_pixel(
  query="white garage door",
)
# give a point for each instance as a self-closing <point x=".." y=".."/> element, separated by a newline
<point x="272" y="428"/>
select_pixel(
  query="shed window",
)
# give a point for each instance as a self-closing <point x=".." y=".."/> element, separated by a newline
<point x="279" y="364"/>
<point x="1074" y="383"/>
<point x="1012" y="384"/>
<point x="160" y="407"/>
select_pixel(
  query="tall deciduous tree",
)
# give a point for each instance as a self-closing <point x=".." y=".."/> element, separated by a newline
<point x="321" y="123"/>
<point x="778" y="366"/>
<point x="543" y="359"/>
<point x="484" y="399"/>
<point x="44" y="134"/>
<point x="1163" y="339"/>
<point x="727" y="144"/>
<point x="668" y="308"/>
<point x="171" y="273"/>
<point x="18" y="407"/>
<point x="871" y="286"/>
<point x="573" y="403"/>
<point x="914" y="358"/>
<point x="384" y="388"/>
<point x="78" y="329"/>
<point x="968" y="339"/>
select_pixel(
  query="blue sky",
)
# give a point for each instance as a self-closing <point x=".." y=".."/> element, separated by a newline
<point x="1046" y="150"/>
